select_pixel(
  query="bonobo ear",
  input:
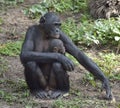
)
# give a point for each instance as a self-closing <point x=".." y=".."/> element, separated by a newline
<point x="42" y="20"/>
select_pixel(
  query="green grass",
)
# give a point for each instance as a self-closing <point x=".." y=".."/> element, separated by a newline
<point x="3" y="66"/>
<point x="18" y="94"/>
<point x="11" y="2"/>
<point x="83" y="30"/>
<point x="60" y="6"/>
<point x="11" y="48"/>
<point x="79" y="102"/>
<point x="89" y="32"/>
<point x="74" y="103"/>
<point x="1" y="22"/>
<point x="109" y="64"/>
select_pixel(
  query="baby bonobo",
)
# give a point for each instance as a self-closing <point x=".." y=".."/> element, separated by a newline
<point x="56" y="45"/>
<point x="34" y="57"/>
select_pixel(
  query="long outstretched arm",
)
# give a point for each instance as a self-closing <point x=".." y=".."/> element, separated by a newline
<point x="86" y="62"/>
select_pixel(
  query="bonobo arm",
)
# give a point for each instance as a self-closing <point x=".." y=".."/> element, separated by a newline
<point x="86" y="62"/>
<point x="28" y="53"/>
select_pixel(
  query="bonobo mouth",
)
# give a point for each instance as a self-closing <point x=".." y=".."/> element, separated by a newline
<point x="55" y="36"/>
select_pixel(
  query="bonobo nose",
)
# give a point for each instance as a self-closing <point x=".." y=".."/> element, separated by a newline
<point x="57" y="30"/>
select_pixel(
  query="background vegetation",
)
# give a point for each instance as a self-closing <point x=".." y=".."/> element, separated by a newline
<point x="83" y="30"/>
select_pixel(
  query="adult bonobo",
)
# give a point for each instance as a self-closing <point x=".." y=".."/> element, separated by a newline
<point x="34" y="56"/>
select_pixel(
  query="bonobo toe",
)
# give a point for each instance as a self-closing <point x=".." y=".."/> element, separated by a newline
<point x="57" y="94"/>
<point x="40" y="94"/>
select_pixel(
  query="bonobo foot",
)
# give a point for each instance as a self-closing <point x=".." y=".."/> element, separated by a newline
<point x="105" y="85"/>
<point x="48" y="94"/>
<point x="56" y="94"/>
<point x="40" y="94"/>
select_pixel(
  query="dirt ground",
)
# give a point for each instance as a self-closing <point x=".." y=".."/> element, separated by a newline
<point x="13" y="28"/>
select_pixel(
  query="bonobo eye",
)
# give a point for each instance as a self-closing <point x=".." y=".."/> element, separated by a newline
<point x="57" y="24"/>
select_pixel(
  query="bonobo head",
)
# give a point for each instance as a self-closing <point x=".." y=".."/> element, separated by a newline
<point x="50" y="23"/>
<point x="56" y="45"/>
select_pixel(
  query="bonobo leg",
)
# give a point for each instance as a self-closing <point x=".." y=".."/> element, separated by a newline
<point x="35" y="80"/>
<point x="52" y="81"/>
<point x="62" y="80"/>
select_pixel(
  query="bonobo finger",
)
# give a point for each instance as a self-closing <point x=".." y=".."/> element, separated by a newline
<point x="71" y="66"/>
<point x="109" y="96"/>
<point x="67" y="66"/>
<point x="105" y="85"/>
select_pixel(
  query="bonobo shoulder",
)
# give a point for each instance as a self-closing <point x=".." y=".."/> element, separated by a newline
<point x="32" y="28"/>
<point x="32" y="31"/>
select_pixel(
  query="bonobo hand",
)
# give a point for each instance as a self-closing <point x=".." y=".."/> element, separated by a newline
<point x="66" y="62"/>
<point x="105" y="85"/>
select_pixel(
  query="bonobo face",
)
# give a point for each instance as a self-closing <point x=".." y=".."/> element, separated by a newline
<point x="56" y="45"/>
<point x="50" y="24"/>
<point x="59" y="49"/>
